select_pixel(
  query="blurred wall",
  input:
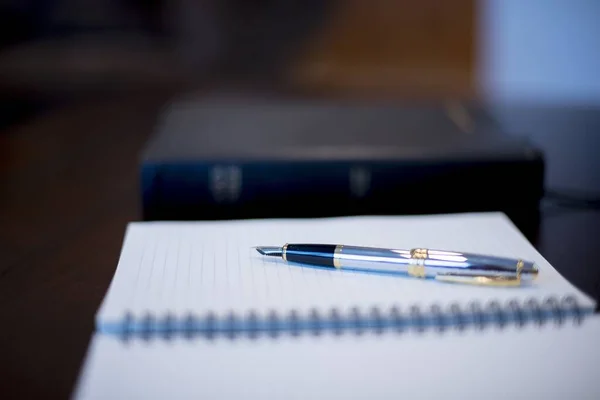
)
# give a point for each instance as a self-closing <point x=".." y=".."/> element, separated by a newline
<point x="540" y="51"/>
<point x="539" y="68"/>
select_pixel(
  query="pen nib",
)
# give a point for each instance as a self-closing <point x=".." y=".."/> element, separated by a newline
<point x="269" y="251"/>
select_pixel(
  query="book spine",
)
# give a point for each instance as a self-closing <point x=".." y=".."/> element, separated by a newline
<point x="229" y="190"/>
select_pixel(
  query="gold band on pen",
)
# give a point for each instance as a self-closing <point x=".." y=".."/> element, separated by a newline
<point x="337" y="261"/>
<point x="283" y="252"/>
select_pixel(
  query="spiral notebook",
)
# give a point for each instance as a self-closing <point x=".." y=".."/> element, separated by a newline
<point x="205" y="278"/>
<point x="530" y="362"/>
<point x="194" y="312"/>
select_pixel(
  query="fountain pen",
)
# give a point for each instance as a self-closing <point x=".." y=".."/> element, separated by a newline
<point x="440" y="265"/>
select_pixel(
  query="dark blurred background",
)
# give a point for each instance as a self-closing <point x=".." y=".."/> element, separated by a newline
<point x="59" y="49"/>
<point x="535" y="63"/>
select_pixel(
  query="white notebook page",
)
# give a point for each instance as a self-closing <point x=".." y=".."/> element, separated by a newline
<point x="201" y="267"/>
<point x="511" y="363"/>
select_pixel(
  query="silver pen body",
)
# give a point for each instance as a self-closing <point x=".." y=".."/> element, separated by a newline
<point x="442" y="265"/>
<point x="430" y="263"/>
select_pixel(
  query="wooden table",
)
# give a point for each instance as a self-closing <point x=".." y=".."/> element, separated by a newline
<point x="68" y="187"/>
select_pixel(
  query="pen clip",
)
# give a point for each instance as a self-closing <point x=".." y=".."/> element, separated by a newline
<point x="498" y="280"/>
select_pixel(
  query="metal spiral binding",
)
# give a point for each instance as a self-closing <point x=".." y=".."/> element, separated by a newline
<point x="417" y="318"/>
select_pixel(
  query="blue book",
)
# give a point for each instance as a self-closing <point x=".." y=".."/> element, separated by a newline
<point x="214" y="158"/>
